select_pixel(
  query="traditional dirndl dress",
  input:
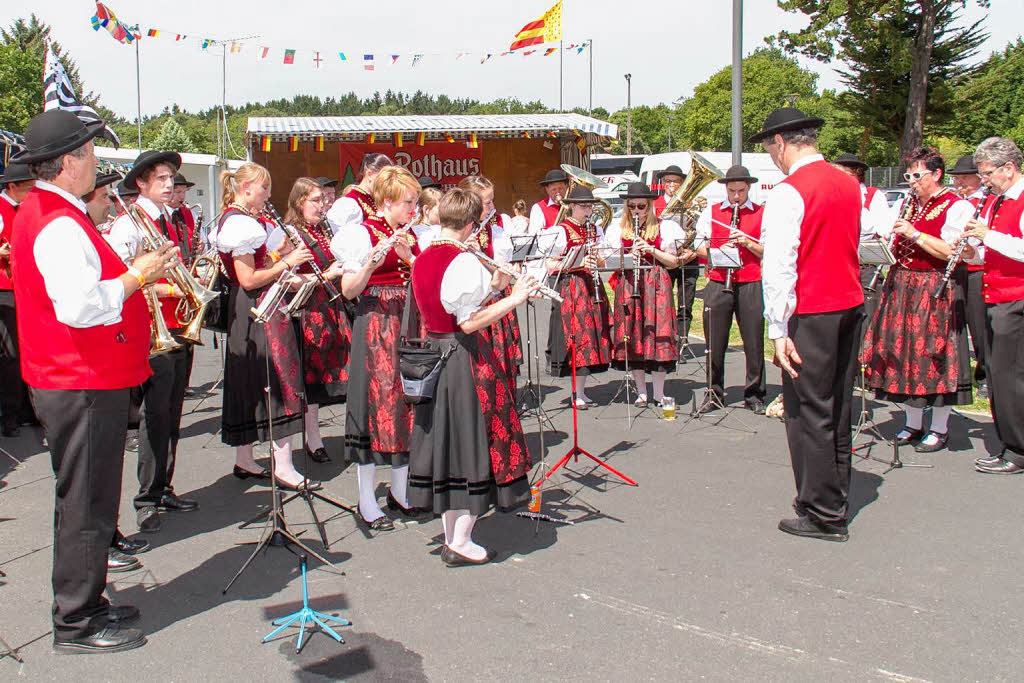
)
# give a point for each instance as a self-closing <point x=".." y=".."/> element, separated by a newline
<point x="378" y="421"/>
<point x="644" y="328"/>
<point x="255" y="350"/>
<point x="468" y="449"/>
<point x="582" y="317"/>
<point x="915" y="349"/>
<point x="504" y="336"/>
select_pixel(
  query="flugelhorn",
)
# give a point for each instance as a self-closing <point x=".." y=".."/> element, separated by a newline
<point x="161" y="341"/>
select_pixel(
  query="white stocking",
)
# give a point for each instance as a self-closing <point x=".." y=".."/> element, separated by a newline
<point x="244" y="460"/>
<point x="462" y="537"/>
<point x="284" y="469"/>
<point x="641" y="383"/>
<point x="368" y="506"/>
<point x="400" y="485"/>
<point x="940" y="419"/>
<point x="581" y="387"/>
<point x="313" y="438"/>
<point x="915" y="417"/>
<point x="658" y="378"/>
<point x="448" y="518"/>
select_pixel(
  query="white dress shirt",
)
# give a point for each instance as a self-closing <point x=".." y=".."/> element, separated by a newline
<point x="560" y="242"/>
<point x="1008" y="245"/>
<point x="537" y="221"/>
<point x="351" y="246"/>
<point x="71" y="269"/>
<point x="519" y="225"/>
<point x="344" y="211"/>
<point x="125" y="237"/>
<point x="240" y="235"/>
<point x="875" y="218"/>
<point x="425" y="234"/>
<point x="501" y="236"/>
<point x="780" y="235"/>
<point x="464" y="286"/>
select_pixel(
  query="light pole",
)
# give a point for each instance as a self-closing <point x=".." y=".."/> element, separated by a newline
<point x="629" y="117"/>
<point x="737" y="81"/>
<point x="675" y="103"/>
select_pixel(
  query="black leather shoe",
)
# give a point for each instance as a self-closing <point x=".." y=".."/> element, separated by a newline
<point x="940" y="443"/>
<point x="991" y="460"/>
<point x="173" y="503"/>
<point x="246" y="474"/>
<point x="755" y="405"/>
<point x="112" y="638"/>
<point x="118" y="562"/>
<point x="912" y="437"/>
<point x="803" y="526"/>
<point x="123" y="614"/>
<point x="148" y="519"/>
<point x="1002" y="467"/>
<point x="454" y="559"/>
<point x="320" y="455"/>
<point x="414" y="513"/>
<point x="129" y="547"/>
<point x="131" y="441"/>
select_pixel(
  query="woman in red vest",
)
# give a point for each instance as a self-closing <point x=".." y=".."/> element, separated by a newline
<point x="323" y="330"/>
<point x="644" y="337"/>
<point x="583" y="316"/>
<point x="468" y="450"/>
<point x="356" y="203"/>
<point x="915" y="348"/>
<point x="257" y="354"/>
<point x="376" y="256"/>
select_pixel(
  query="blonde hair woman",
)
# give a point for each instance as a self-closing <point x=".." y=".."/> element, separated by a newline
<point x="427" y="228"/>
<point x="377" y="255"/>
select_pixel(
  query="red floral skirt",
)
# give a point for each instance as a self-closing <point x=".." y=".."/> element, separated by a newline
<point x="503" y="336"/>
<point x="582" y="319"/>
<point x="326" y="344"/>
<point x="644" y="328"/>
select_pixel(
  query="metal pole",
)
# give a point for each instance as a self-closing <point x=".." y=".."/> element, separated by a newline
<point x="737" y="82"/>
<point x="629" y="117"/>
<point x="224" y="96"/>
<point x="138" y="94"/>
<point x="590" y="105"/>
<point x="561" y="53"/>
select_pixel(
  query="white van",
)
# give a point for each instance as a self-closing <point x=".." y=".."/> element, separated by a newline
<point x="760" y="166"/>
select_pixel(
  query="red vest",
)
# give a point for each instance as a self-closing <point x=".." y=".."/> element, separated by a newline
<point x="364" y="199"/>
<point x="393" y="271"/>
<point x="169" y="304"/>
<point x="319" y="244"/>
<point x="228" y="261"/>
<point x="750" y="224"/>
<point x="1004" y="278"/>
<point x="576" y="235"/>
<point x="7" y="212"/>
<point x="550" y="212"/>
<point x="627" y="244"/>
<point x="54" y="355"/>
<point x="427" y="274"/>
<point x="929" y="219"/>
<point x="869" y="195"/>
<point x="660" y="203"/>
<point x="828" y="272"/>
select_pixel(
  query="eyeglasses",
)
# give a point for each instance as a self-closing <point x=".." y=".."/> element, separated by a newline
<point x="637" y="207"/>
<point x="986" y="174"/>
<point x="916" y="175"/>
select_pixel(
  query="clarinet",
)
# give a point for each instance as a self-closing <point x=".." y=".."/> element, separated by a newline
<point x="905" y="215"/>
<point x="636" y="266"/>
<point x="954" y="259"/>
<point x="732" y="231"/>
<point x="592" y="238"/>
<point x="296" y="239"/>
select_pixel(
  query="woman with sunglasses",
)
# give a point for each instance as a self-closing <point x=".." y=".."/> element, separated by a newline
<point x="644" y="337"/>
<point x="915" y="349"/>
<point x="582" y="319"/>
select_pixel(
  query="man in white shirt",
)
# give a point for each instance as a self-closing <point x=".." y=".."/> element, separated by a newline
<point x="814" y="307"/>
<point x="544" y="212"/>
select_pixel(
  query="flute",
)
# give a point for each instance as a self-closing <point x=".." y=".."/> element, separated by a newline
<point x="400" y="233"/>
<point x="954" y="258"/>
<point x="544" y="290"/>
<point x="296" y="239"/>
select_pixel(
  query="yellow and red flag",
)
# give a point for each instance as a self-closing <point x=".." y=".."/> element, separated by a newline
<point x="397" y="139"/>
<point x="547" y="29"/>
<point x="318" y="143"/>
<point x="293" y="144"/>
<point x="265" y="143"/>
<point x="421" y="138"/>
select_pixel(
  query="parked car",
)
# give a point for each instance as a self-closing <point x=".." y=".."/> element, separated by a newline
<point x="895" y="195"/>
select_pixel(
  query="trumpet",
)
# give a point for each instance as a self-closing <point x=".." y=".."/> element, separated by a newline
<point x="192" y="308"/>
<point x="544" y="290"/>
<point x="296" y="239"/>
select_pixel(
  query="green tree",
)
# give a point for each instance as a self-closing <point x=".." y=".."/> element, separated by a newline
<point x="173" y="138"/>
<point x="21" y="88"/>
<point x="992" y="101"/>
<point x="902" y="58"/>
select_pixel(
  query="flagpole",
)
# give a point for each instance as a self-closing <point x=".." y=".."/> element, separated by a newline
<point x="138" y="93"/>
<point x="560" y="55"/>
<point x="590" y="105"/>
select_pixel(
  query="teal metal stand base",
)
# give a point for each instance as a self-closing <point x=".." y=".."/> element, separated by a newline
<point x="307" y="616"/>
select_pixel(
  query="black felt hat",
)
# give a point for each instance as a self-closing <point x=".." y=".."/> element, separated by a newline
<point x="555" y="175"/>
<point x="15" y="173"/>
<point x="427" y="181"/>
<point x="964" y="166"/>
<point x="182" y="180"/>
<point x="53" y="133"/>
<point x="671" y="170"/>
<point x="324" y="181"/>
<point x="850" y="161"/>
<point x="782" y="120"/>
<point x="737" y="174"/>
<point x="579" y="195"/>
<point x="125" y="191"/>
<point x="104" y="179"/>
<point x="638" y="191"/>
<point x="147" y="160"/>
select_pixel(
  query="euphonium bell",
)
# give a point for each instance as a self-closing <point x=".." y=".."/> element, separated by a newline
<point x="684" y="203"/>
<point x="581" y="178"/>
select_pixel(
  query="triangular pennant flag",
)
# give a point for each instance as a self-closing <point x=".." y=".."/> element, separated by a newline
<point x="207" y="42"/>
<point x="179" y="36"/>
<point x="460" y="56"/>
<point x="289" y="56"/>
<point x="262" y="52"/>
<point x="342" y="56"/>
<point x="394" y="58"/>
<point x="550" y="50"/>
<point x="528" y="52"/>
<point x="448" y="137"/>
<point x="484" y="59"/>
<point x="317" y="59"/>
<point x="236" y="48"/>
<point x="153" y="33"/>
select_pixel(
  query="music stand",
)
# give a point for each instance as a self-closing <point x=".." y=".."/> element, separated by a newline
<point x="684" y="342"/>
<point x="526" y="249"/>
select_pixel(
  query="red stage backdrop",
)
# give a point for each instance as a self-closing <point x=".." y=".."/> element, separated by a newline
<point x="444" y="162"/>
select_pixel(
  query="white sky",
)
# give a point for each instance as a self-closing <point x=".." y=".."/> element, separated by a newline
<point x="668" y="51"/>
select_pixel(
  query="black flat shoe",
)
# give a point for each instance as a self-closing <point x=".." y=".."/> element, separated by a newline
<point x="803" y="526"/>
<point x="118" y="562"/>
<point x="320" y="455"/>
<point x="123" y="614"/>
<point x="148" y="519"/>
<point x="246" y="474"/>
<point x="112" y="638"/>
<point x="1002" y="467"/>
<point x="939" y="444"/>
<point x="912" y="437"/>
<point x="755" y="405"/>
<point x="411" y="512"/>
<point x="129" y="547"/>
<point x="454" y="559"/>
<point x="382" y="523"/>
<point x="173" y="503"/>
<point x="304" y="485"/>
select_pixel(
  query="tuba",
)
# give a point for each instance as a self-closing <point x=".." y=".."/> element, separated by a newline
<point x="685" y="205"/>
<point x="579" y="177"/>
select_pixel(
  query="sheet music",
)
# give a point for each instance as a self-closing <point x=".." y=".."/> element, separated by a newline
<point x="875" y="253"/>
<point x="725" y="257"/>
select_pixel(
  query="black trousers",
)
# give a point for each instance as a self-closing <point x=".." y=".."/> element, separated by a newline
<point x="162" y="397"/>
<point x="13" y="392"/>
<point x="818" y="409"/>
<point x="976" y="322"/>
<point x="85" y="431"/>
<point x="746" y="303"/>
<point x="1006" y="376"/>
<point x="684" y="284"/>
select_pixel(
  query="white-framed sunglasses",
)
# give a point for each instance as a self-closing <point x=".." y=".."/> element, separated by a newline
<point x="915" y="175"/>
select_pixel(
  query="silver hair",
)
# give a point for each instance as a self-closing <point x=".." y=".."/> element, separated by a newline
<point x="802" y="137"/>
<point x="998" y="151"/>
<point x="51" y="168"/>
